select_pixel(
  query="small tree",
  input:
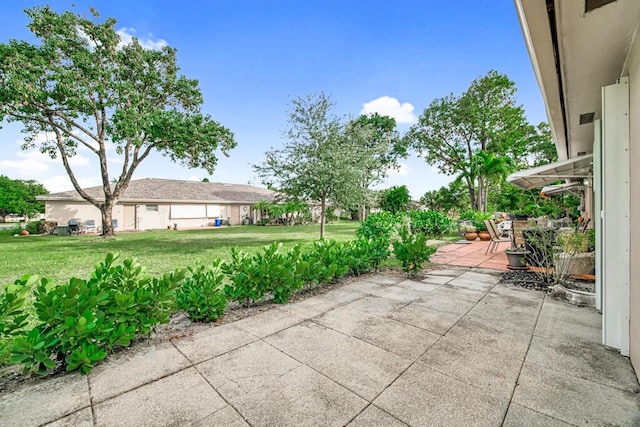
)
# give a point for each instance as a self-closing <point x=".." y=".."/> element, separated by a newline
<point x="395" y="199"/>
<point x="84" y="89"/>
<point x="315" y="163"/>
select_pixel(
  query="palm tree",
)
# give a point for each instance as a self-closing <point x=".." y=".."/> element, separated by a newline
<point x="491" y="170"/>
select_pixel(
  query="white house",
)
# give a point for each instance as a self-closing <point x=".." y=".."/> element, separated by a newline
<point x="586" y="57"/>
<point x="160" y="203"/>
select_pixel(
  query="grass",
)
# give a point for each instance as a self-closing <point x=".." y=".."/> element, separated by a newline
<point x="160" y="251"/>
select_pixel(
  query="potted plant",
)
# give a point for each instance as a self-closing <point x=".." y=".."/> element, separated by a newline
<point x="516" y="256"/>
<point x="469" y="231"/>
<point x="575" y="253"/>
<point x="481" y="228"/>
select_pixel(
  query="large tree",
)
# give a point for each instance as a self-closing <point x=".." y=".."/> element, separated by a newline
<point x="85" y="89"/>
<point x="19" y="197"/>
<point x="316" y="163"/>
<point x="377" y="138"/>
<point x="453" y="130"/>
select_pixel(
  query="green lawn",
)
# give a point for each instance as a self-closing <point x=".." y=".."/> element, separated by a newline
<point x="159" y="251"/>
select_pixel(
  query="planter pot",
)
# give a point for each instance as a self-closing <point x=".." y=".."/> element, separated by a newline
<point x="516" y="259"/>
<point x="484" y="236"/>
<point x="573" y="264"/>
<point x="470" y="235"/>
<point x="572" y="296"/>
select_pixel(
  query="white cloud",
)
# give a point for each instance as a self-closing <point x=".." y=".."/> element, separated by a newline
<point x="403" y="170"/>
<point x="127" y="34"/>
<point x="41" y="158"/>
<point x="115" y="161"/>
<point x="24" y="167"/>
<point x="57" y="183"/>
<point x="388" y="106"/>
<point x="194" y="178"/>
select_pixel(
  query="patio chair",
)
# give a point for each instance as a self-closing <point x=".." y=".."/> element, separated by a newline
<point x="90" y="226"/>
<point x="495" y="238"/>
<point x="504" y="228"/>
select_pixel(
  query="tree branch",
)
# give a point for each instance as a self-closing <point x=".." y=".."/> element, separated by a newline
<point x="65" y="162"/>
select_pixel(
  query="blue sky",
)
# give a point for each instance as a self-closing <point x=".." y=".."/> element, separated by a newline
<point x="251" y="58"/>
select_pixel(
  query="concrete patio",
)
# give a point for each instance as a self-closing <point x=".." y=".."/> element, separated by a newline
<point x="456" y="349"/>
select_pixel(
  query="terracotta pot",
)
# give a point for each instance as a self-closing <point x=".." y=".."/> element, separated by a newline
<point x="470" y="235"/>
<point x="24" y="233"/>
<point x="484" y="235"/>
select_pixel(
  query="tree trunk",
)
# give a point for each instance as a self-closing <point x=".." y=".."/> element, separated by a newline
<point x="472" y="197"/>
<point x="362" y="212"/>
<point x="106" y="209"/>
<point x="323" y="207"/>
<point x="482" y="207"/>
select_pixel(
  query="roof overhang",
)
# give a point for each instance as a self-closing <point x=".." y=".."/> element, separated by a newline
<point x="577" y="168"/>
<point x="574" y="53"/>
<point x="558" y="189"/>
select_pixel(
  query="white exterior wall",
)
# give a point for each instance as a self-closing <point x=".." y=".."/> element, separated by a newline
<point x="633" y="68"/>
<point x="61" y="212"/>
<point x="146" y="216"/>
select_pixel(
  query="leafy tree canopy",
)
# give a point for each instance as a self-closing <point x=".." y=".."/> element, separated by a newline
<point x="83" y="88"/>
<point x="451" y="199"/>
<point x="395" y="199"/>
<point x="454" y="132"/>
<point x="19" y="197"/>
<point x="316" y="163"/>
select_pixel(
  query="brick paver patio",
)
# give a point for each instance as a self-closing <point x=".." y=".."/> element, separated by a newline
<point x="472" y="255"/>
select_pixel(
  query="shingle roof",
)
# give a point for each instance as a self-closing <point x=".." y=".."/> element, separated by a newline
<point x="169" y="190"/>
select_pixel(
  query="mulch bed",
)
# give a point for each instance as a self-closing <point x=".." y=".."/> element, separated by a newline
<point x="531" y="280"/>
<point x="524" y="279"/>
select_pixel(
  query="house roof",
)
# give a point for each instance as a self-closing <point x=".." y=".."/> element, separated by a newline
<point x="575" y="51"/>
<point x="175" y="191"/>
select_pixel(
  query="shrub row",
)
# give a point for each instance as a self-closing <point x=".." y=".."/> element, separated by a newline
<point x="75" y="325"/>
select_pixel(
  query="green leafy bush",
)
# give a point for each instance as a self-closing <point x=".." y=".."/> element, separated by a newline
<point x="201" y="294"/>
<point x="431" y="223"/>
<point x="77" y="322"/>
<point x="35" y="227"/>
<point x="269" y="271"/>
<point x="378" y="224"/>
<point x="243" y="287"/>
<point x="324" y="263"/>
<point x="411" y="250"/>
<point x="13" y="299"/>
<point x="364" y="255"/>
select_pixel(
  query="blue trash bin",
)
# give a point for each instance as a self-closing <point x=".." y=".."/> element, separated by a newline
<point x="218" y="222"/>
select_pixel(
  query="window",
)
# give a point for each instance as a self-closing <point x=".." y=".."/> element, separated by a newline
<point x="152" y="208"/>
<point x="188" y="211"/>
